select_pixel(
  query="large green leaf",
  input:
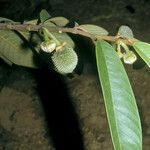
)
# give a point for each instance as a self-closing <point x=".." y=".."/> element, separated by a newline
<point x="13" y="50"/>
<point x="121" y="108"/>
<point x="143" y="49"/>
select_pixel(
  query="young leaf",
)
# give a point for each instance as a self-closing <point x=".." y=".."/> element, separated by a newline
<point x="121" y="108"/>
<point x="44" y="15"/>
<point x="143" y="49"/>
<point x="93" y="29"/>
<point x="59" y="21"/>
<point x="13" y="51"/>
<point x="125" y="32"/>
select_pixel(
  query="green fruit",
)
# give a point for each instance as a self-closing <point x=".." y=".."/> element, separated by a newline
<point x="65" y="61"/>
<point x="129" y="57"/>
<point x="48" y="46"/>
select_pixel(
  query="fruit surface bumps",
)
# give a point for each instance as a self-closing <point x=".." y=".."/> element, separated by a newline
<point x="65" y="61"/>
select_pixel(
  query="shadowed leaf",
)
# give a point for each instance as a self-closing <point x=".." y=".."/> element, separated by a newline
<point x="12" y="50"/>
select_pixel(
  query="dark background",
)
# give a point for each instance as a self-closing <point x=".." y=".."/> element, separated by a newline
<point x="41" y="110"/>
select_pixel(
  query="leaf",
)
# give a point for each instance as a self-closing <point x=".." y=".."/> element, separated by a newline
<point x="125" y="32"/>
<point x="33" y="38"/>
<point x="59" y="21"/>
<point x="12" y="50"/>
<point x="93" y="29"/>
<point x="143" y="49"/>
<point x="5" y="20"/>
<point x="44" y="15"/>
<point x="121" y="108"/>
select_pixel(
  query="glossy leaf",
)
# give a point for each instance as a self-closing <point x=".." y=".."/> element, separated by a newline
<point x="121" y="108"/>
<point x="143" y="49"/>
<point x="12" y="50"/>
<point x="44" y="15"/>
<point x="93" y="29"/>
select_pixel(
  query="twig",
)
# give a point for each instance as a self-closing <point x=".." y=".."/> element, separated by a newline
<point x="30" y="27"/>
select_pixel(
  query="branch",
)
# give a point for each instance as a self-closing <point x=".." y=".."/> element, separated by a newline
<point x="75" y="30"/>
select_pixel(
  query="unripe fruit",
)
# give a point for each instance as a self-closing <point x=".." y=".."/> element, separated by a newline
<point x="129" y="57"/>
<point x="48" y="46"/>
<point x="65" y="61"/>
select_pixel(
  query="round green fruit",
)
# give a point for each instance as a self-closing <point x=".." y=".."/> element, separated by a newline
<point x="65" y="61"/>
